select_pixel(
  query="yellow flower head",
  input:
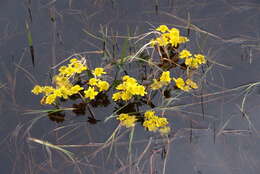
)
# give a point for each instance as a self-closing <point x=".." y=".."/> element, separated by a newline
<point x="191" y="83"/>
<point x="165" y="77"/>
<point x="75" y="89"/>
<point x="48" y="90"/>
<point x="93" y="81"/>
<point x="149" y="114"/>
<point x="175" y="32"/>
<point x="180" y="83"/>
<point x="50" y="99"/>
<point x="200" y="58"/>
<point x="98" y="72"/>
<point x="90" y="93"/>
<point x="185" y="54"/>
<point x="103" y="85"/>
<point x="126" y="96"/>
<point x="37" y="90"/>
<point x="127" y="120"/>
<point x="152" y="122"/>
<point x="191" y="62"/>
<point x="128" y="88"/>
<point x="162" y="28"/>
<point x="117" y="96"/>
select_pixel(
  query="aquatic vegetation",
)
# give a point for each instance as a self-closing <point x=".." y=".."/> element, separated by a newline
<point x="127" y="120"/>
<point x="153" y="122"/>
<point x="168" y="37"/>
<point x="128" y="88"/>
<point x="65" y="86"/>
<point x="76" y="81"/>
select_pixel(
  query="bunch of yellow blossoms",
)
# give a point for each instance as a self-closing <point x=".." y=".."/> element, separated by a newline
<point x="153" y="122"/>
<point x="128" y="88"/>
<point x="64" y="87"/>
<point x="96" y="85"/>
<point x="190" y="60"/>
<point x="127" y="120"/>
<point x="75" y="67"/>
<point x="168" y="37"/>
<point x="165" y="79"/>
<point x="185" y="86"/>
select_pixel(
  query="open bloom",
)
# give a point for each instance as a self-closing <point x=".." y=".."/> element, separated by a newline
<point x="98" y="72"/>
<point x="128" y="88"/>
<point x="153" y="122"/>
<point x="185" y="54"/>
<point x="162" y="28"/>
<point x="127" y="120"/>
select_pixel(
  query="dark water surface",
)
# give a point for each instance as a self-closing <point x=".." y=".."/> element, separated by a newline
<point x="225" y="141"/>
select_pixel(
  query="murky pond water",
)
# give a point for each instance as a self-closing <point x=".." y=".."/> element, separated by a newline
<point x="214" y="131"/>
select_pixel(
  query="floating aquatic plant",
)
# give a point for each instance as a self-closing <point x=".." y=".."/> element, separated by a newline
<point x="76" y="80"/>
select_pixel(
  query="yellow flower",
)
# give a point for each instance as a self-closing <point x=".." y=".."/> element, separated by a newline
<point x="185" y="54"/>
<point x="162" y="41"/>
<point x="127" y="120"/>
<point x="150" y="125"/>
<point x="37" y="90"/>
<point x="183" y="39"/>
<point x="149" y="114"/>
<point x="103" y="85"/>
<point x="191" y="62"/>
<point x="191" y="84"/>
<point x="200" y="58"/>
<point x="117" y="96"/>
<point x="165" y="77"/>
<point x="58" y="92"/>
<point x="48" y="90"/>
<point x="162" y="28"/>
<point x="62" y="69"/>
<point x="175" y="32"/>
<point x="98" y="72"/>
<point x="129" y="79"/>
<point x="50" y="99"/>
<point x="181" y="84"/>
<point x="140" y="90"/>
<point x="128" y="88"/>
<point x="93" y="81"/>
<point x="73" y="60"/>
<point x="75" y="89"/>
<point x="65" y="92"/>
<point x="90" y="93"/>
<point x="126" y="96"/>
<point x="62" y="81"/>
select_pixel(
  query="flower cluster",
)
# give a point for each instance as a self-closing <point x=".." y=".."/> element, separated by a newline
<point x="127" y="120"/>
<point x="128" y="88"/>
<point x="165" y="79"/>
<point x="168" y="37"/>
<point x="153" y="122"/>
<point x="185" y="86"/>
<point x="96" y="85"/>
<point x="75" y="67"/>
<point x="192" y="61"/>
<point x="64" y="87"/>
